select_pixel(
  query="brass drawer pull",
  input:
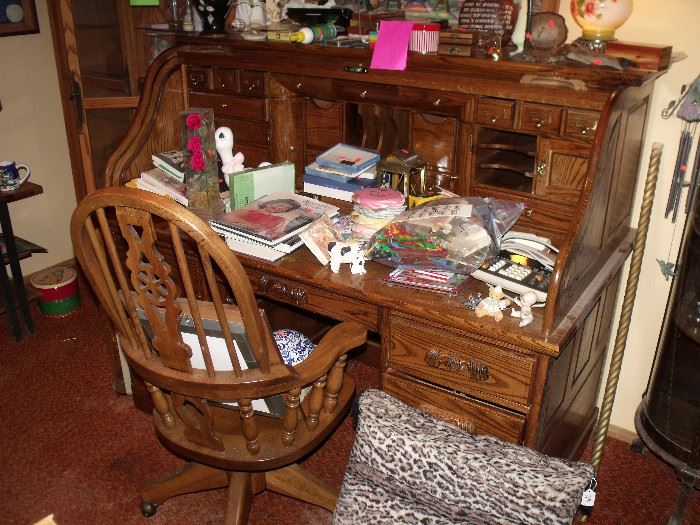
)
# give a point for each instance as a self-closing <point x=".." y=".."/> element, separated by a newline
<point x="293" y="294"/>
<point x="449" y="417"/>
<point x="475" y="370"/>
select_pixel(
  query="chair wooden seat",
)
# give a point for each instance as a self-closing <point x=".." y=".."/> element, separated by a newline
<point x="206" y="415"/>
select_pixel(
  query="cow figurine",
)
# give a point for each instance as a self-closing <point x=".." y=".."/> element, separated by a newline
<point x="347" y="252"/>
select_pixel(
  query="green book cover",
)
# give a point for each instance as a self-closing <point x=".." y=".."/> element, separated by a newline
<point x="251" y="184"/>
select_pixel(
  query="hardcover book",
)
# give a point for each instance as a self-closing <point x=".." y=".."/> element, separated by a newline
<point x="249" y="185"/>
<point x="171" y="162"/>
<point x="158" y="181"/>
<point x="273" y="218"/>
<point x="348" y="159"/>
<point x="335" y="189"/>
<point x="260" y="250"/>
<point x="334" y="174"/>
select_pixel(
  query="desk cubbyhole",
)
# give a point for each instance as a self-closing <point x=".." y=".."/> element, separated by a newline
<point x="505" y="159"/>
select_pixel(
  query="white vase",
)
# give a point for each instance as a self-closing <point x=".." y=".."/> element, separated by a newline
<point x="518" y="36"/>
<point x="599" y="19"/>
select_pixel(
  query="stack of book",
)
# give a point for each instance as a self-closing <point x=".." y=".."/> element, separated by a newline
<point x="269" y="228"/>
<point x="340" y="171"/>
<point x="166" y="178"/>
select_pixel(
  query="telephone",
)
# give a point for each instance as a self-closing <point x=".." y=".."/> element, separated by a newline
<point x="531" y="246"/>
<point x="524" y="264"/>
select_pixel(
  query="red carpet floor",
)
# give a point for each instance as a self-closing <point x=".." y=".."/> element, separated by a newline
<point x="72" y="447"/>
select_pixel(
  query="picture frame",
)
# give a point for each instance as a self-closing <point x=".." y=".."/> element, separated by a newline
<point x="18" y="17"/>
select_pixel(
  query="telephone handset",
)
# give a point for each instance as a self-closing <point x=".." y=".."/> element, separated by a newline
<point x="513" y="270"/>
<point x="531" y="246"/>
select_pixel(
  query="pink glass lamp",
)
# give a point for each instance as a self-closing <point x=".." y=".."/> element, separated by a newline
<point x="599" y="19"/>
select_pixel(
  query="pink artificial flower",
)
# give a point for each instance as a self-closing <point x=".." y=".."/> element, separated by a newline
<point x="193" y="121"/>
<point x="194" y="144"/>
<point x="197" y="161"/>
<point x="590" y="8"/>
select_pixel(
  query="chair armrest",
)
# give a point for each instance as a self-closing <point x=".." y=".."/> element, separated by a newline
<point x="337" y="341"/>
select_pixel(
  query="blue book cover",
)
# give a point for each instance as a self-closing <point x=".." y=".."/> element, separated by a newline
<point x="352" y="185"/>
<point x="348" y="159"/>
<point x="331" y="173"/>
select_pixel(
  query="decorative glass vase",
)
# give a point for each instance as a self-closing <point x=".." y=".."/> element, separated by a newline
<point x="201" y="170"/>
<point x="599" y="19"/>
<point x="213" y="14"/>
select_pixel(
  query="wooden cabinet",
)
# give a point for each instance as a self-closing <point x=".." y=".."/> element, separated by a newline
<point x="485" y="129"/>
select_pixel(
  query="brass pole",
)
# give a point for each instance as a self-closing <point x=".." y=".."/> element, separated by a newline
<point x="627" y="305"/>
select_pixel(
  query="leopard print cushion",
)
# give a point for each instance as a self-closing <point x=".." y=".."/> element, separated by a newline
<point x="407" y="467"/>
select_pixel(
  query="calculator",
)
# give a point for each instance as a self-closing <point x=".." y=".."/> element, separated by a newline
<point x="502" y="271"/>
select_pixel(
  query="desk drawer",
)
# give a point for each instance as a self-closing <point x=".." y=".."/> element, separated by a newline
<point x="315" y="299"/>
<point x="461" y="363"/>
<point x="495" y="112"/>
<point x="539" y="117"/>
<point x="437" y="102"/>
<point x="467" y="414"/>
<point x="366" y="92"/>
<point x="581" y="124"/>
<point x="231" y="105"/>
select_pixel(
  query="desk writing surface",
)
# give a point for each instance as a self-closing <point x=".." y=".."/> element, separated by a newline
<point x="369" y="292"/>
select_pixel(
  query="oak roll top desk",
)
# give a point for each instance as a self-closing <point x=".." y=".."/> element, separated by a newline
<point x="564" y="139"/>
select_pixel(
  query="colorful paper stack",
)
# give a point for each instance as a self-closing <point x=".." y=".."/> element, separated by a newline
<point x="58" y="287"/>
<point x="374" y="208"/>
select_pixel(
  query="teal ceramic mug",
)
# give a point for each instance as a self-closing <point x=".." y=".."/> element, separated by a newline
<point x="10" y="178"/>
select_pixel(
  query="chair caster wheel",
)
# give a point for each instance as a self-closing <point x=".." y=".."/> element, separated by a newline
<point x="148" y="509"/>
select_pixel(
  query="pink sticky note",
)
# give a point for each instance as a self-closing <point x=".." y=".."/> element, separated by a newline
<point x="392" y="45"/>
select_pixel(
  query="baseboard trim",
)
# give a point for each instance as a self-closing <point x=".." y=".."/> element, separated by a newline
<point x="622" y="434"/>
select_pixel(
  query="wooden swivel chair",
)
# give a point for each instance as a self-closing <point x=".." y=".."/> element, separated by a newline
<point x="203" y="414"/>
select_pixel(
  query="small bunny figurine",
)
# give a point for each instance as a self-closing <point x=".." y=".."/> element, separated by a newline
<point x="224" y="147"/>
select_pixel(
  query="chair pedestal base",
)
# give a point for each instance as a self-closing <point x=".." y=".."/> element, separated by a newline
<point x="292" y="481"/>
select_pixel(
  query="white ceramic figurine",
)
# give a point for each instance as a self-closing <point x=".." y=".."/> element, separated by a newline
<point x="230" y="163"/>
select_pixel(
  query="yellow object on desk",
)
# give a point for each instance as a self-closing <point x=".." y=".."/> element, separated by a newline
<point x="417" y="200"/>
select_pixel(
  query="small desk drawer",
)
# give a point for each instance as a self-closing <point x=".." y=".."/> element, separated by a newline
<point x="253" y="83"/>
<point x="581" y="124"/>
<point x="231" y="105"/>
<point x="312" y="87"/>
<point x="468" y="414"/>
<point x="495" y="112"/>
<point x="460" y="363"/>
<point x="199" y="78"/>
<point x="539" y="117"/>
<point x="315" y="299"/>
<point x="226" y="80"/>
<point x="365" y="92"/>
<point x="439" y="103"/>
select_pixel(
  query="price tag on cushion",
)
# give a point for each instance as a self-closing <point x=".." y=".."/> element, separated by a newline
<point x="392" y="45"/>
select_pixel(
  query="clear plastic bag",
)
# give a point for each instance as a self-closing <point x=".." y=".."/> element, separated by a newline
<point x="455" y="234"/>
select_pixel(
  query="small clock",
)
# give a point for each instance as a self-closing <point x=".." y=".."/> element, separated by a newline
<point x="547" y="30"/>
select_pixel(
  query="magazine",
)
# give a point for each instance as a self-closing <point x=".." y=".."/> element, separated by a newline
<point x="273" y="218"/>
